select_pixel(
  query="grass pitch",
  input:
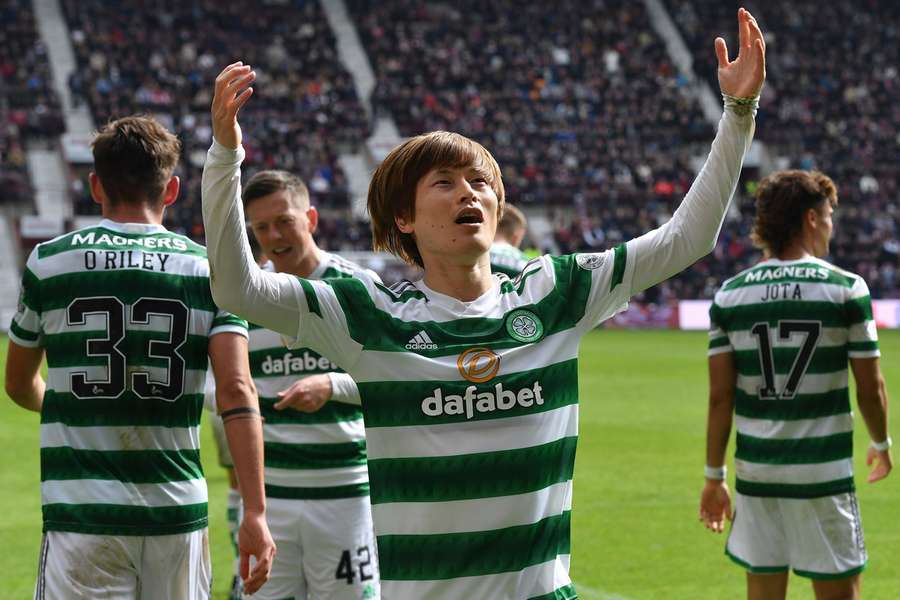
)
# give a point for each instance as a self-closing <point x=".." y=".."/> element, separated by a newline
<point x="637" y="482"/>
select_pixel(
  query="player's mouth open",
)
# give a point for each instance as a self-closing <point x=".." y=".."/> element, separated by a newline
<point x="469" y="216"/>
<point x="279" y="251"/>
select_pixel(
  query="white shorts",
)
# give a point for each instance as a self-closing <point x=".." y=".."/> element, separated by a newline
<point x="819" y="538"/>
<point x="326" y="550"/>
<point x="160" y="567"/>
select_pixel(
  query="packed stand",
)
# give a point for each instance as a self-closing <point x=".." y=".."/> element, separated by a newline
<point x="28" y="106"/>
<point x="578" y="101"/>
<point x="830" y="104"/>
<point x="162" y="58"/>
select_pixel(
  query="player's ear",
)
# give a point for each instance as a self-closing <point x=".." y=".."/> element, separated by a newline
<point x="97" y="191"/>
<point x="404" y="225"/>
<point x="811" y="217"/>
<point x="171" y="192"/>
<point x="312" y="216"/>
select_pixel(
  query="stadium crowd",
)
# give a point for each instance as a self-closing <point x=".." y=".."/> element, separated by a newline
<point x="578" y="101"/>
<point x="830" y="104"/>
<point x="162" y="57"/>
<point x="28" y="106"/>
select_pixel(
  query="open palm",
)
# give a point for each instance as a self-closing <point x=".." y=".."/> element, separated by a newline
<point x="744" y="76"/>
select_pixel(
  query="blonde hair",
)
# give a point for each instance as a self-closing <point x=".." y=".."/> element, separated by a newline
<point x="271" y="181"/>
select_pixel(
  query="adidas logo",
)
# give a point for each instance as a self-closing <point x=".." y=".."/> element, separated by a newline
<point x="421" y="342"/>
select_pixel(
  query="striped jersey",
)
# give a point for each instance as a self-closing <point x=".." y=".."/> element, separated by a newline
<point x="792" y="326"/>
<point x="506" y="258"/>
<point x="316" y="455"/>
<point x="471" y="414"/>
<point x="124" y="313"/>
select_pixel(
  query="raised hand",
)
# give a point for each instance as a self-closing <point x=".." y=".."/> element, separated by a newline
<point x="715" y="505"/>
<point x="230" y="95"/>
<point x="306" y="395"/>
<point x="743" y="77"/>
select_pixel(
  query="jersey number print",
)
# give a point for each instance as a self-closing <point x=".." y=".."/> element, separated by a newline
<point x="786" y="329"/>
<point x="170" y="387"/>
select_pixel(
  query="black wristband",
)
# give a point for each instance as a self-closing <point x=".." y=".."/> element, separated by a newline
<point x="239" y="411"/>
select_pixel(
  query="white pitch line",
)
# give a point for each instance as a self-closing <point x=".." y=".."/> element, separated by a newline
<point x="589" y="593"/>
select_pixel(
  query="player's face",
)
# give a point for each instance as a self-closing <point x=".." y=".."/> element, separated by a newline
<point x="456" y="215"/>
<point x="283" y="228"/>
<point x="824" y="229"/>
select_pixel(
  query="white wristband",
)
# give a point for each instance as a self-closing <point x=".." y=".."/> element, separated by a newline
<point x="883" y="446"/>
<point x="715" y="472"/>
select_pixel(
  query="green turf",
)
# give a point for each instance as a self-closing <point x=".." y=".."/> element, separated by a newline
<point x="637" y="482"/>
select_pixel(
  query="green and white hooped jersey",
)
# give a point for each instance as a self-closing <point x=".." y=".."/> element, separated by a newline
<point x="471" y="414"/>
<point x="792" y="326"/>
<point x="506" y="258"/>
<point x="125" y="313"/>
<point x="308" y="456"/>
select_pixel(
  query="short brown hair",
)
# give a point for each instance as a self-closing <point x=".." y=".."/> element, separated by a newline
<point x="392" y="191"/>
<point x="134" y="157"/>
<point x="512" y="221"/>
<point x="271" y="181"/>
<point x="782" y="199"/>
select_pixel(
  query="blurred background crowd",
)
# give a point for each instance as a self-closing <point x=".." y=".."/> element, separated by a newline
<point x="594" y="126"/>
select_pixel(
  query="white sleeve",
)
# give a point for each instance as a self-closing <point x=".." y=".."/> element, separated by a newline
<point x="692" y="231"/>
<point x="239" y="286"/>
<point x="719" y="342"/>
<point x="26" y="328"/>
<point x="863" y="334"/>
<point x="343" y="389"/>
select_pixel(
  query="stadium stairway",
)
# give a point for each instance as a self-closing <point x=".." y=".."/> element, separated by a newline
<point x="45" y="163"/>
<point x="55" y="34"/>
<point x="359" y="165"/>
<point x="681" y="58"/>
<point x="48" y="178"/>
<point x="707" y="98"/>
<point x="9" y="271"/>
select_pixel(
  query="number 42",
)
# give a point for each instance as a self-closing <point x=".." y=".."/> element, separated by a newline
<point x="345" y="566"/>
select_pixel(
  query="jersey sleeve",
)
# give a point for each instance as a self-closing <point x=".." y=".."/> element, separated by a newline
<point x="719" y="343"/>
<point x="323" y="324"/>
<point x="225" y="322"/>
<point x="26" y="329"/>
<point x="343" y="389"/>
<point x="692" y="231"/>
<point x="238" y="285"/>
<point x="595" y="285"/>
<point x="863" y="335"/>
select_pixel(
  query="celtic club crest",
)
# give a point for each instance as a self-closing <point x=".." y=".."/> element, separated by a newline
<point x="524" y="326"/>
<point x="590" y="261"/>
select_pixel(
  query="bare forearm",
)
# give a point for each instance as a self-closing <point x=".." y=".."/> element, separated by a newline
<point x="239" y="408"/>
<point x="246" y="444"/>
<point x="692" y="231"/>
<point x="30" y="396"/>
<point x="873" y="405"/>
<point x="23" y="382"/>
<point x="718" y="430"/>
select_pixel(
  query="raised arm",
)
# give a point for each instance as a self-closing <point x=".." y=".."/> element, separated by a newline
<point x="692" y="231"/>
<point x="271" y="300"/>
